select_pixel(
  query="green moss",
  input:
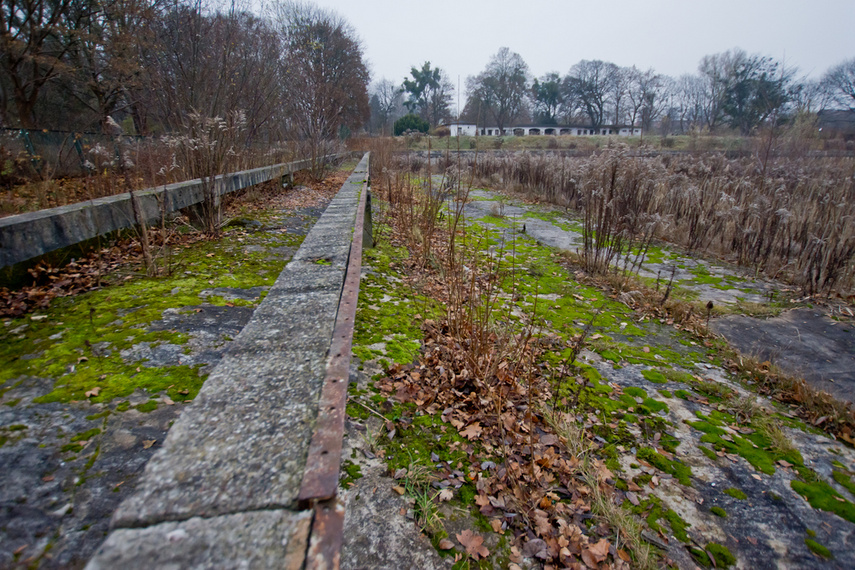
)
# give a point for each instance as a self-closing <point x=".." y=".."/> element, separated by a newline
<point x="496" y="221"/>
<point x="414" y="444"/>
<point x="147" y="407"/>
<point x="99" y="415"/>
<point x="79" y="344"/>
<point x="654" y="376"/>
<point x="16" y="427"/>
<point x="719" y="512"/>
<point x="123" y="406"/>
<point x="666" y="393"/>
<point x="708" y="452"/>
<point x="654" y="511"/>
<point x="13" y="403"/>
<point x="680" y="471"/>
<point x="389" y="314"/>
<point x="713" y="390"/>
<point x="819" y="549"/>
<point x="723" y="557"/>
<point x="683" y="395"/>
<point x="845" y="480"/>
<point x="675" y="375"/>
<point x="71" y="447"/>
<point x="736" y="493"/>
<point x="351" y="472"/>
<point x="635" y="392"/>
<point x="811" y="533"/>
<point x="751" y="448"/>
<point x="822" y="496"/>
<point x="655" y="406"/>
<point x="86" y="435"/>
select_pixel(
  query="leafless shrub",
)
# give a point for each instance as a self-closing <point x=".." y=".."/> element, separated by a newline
<point x="206" y="150"/>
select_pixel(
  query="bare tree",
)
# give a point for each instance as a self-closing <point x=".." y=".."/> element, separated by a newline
<point x="810" y="96"/>
<point x="652" y="93"/>
<point x="324" y="77"/>
<point x="839" y="84"/>
<point x="690" y="102"/>
<point x="35" y="36"/>
<point x="386" y="104"/>
<point x="589" y="83"/>
<point x="211" y="63"/>
<point x="104" y="64"/>
<point x="502" y="87"/>
<point x="718" y="71"/>
<point x="620" y="85"/>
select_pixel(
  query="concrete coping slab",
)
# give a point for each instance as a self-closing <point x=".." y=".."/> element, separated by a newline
<point x="227" y="477"/>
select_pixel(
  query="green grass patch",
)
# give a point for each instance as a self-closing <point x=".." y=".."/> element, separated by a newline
<point x="735" y="493"/>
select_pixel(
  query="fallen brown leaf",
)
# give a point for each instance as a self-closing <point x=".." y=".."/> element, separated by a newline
<point x="473" y="543"/>
<point x="472" y="431"/>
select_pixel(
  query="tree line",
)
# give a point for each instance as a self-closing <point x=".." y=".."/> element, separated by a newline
<point x="731" y="90"/>
<point x="147" y="66"/>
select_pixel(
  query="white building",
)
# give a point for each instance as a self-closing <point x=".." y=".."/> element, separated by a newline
<point x="569" y="130"/>
<point x="465" y="129"/>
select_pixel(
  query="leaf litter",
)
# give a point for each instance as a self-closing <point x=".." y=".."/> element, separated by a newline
<point x="528" y="484"/>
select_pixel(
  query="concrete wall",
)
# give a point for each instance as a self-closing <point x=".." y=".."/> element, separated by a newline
<point x="30" y="235"/>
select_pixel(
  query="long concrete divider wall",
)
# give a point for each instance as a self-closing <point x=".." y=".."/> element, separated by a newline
<point x="30" y="235"/>
<point x="223" y="490"/>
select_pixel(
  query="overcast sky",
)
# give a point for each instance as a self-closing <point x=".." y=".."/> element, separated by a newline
<point x="551" y="35"/>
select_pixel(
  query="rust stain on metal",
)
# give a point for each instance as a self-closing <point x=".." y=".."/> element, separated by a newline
<point x="327" y="535"/>
<point x="320" y="478"/>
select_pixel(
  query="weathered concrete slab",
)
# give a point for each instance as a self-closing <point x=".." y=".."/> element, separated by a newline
<point x="267" y="539"/>
<point x="240" y="448"/>
<point x="33" y="234"/>
<point x="804" y="342"/>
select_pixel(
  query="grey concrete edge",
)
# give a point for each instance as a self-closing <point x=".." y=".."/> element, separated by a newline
<point x="33" y="234"/>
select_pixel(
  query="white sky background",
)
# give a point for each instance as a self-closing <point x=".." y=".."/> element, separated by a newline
<point x="671" y="36"/>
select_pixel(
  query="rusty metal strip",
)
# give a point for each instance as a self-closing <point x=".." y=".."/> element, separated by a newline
<point x="320" y="478"/>
<point x="327" y="536"/>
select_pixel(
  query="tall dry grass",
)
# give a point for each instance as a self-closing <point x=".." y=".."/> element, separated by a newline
<point x="789" y="216"/>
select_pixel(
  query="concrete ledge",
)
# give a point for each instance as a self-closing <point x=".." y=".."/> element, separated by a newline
<point x="236" y="455"/>
<point x="30" y="235"/>
<point x="266" y="539"/>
